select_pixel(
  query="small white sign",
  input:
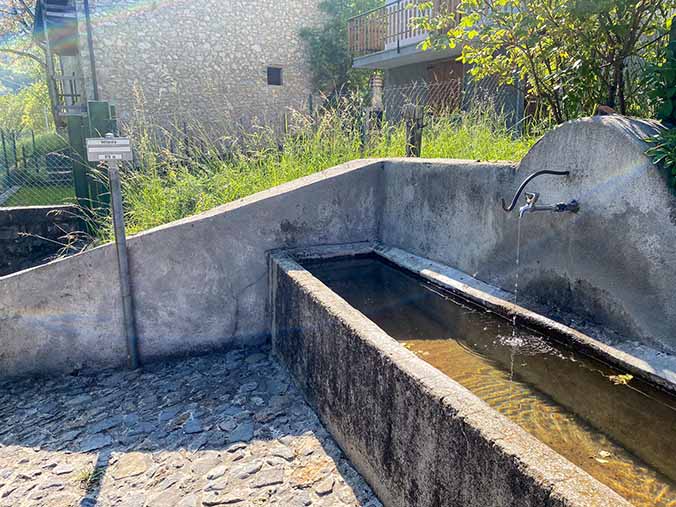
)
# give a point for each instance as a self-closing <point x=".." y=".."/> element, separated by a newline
<point x="101" y="149"/>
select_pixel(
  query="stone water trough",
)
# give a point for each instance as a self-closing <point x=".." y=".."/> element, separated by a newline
<point x="427" y="415"/>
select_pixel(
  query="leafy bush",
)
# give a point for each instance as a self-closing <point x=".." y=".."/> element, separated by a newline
<point x="47" y="142"/>
<point x="330" y="58"/>
<point x="25" y="109"/>
<point x="29" y="176"/>
<point x="664" y="82"/>
<point x="568" y="55"/>
<point x="663" y="151"/>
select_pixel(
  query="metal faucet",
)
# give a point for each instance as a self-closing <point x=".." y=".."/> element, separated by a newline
<point x="531" y="205"/>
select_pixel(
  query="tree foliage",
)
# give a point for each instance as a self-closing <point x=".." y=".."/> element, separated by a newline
<point x="22" y="61"/>
<point x="663" y="149"/>
<point x="16" y="26"/>
<point x="569" y="54"/>
<point x="330" y="58"/>
<point x="27" y="109"/>
<point x="663" y="82"/>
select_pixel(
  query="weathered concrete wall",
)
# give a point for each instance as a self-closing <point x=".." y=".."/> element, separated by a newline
<point x="613" y="263"/>
<point x="200" y="60"/>
<point x="31" y="235"/>
<point x="199" y="284"/>
<point x="419" y="438"/>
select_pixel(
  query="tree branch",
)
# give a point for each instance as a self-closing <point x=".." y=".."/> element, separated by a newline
<point x="24" y="54"/>
<point x="27" y="8"/>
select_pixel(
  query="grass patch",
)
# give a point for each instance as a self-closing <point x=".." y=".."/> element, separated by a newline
<point x="42" y="196"/>
<point x="90" y="478"/>
<point x="44" y="143"/>
<point x="170" y="185"/>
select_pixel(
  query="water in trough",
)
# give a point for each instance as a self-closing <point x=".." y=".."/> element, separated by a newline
<point x="619" y="429"/>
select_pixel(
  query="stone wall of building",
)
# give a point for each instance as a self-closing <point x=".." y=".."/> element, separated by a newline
<point x="202" y="61"/>
<point x="33" y="235"/>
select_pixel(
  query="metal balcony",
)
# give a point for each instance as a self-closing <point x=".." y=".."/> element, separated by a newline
<point x="390" y="27"/>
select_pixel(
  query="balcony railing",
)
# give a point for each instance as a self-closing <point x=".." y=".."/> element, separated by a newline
<point x="390" y="26"/>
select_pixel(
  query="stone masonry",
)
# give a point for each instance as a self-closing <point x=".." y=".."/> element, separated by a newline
<point x="225" y="429"/>
<point x="200" y="60"/>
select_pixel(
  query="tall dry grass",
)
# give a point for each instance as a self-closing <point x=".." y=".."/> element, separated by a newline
<point x="178" y="175"/>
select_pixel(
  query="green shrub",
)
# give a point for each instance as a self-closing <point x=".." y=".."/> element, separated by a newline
<point x="44" y="143"/>
<point x="664" y="82"/>
<point x="663" y="151"/>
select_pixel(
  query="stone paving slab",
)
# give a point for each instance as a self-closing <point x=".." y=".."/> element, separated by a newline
<point x="225" y="429"/>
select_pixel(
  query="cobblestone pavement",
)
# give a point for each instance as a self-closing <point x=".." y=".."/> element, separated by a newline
<point x="225" y="429"/>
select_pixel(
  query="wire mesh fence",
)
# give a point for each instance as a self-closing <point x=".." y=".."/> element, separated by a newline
<point x="441" y="98"/>
<point x="209" y="119"/>
<point x="35" y="169"/>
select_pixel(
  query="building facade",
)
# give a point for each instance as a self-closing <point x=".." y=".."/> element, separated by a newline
<point x="212" y="62"/>
<point x="384" y="39"/>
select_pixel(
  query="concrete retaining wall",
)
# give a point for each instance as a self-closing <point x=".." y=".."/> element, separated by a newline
<point x="199" y="284"/>
<point x="614" y="263"/>
<point x="31" y="235"/>
<point x="419" y="438"/>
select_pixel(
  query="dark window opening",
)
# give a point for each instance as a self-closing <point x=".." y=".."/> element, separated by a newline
<point x="275" y="76"/>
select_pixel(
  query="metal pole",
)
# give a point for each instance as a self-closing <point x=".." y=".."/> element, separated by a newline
<point x="186" y="141"/>
<point x="414" y="126"/>
<point x="16" y="160"/>
<point x="51" y="84"/>
<point x="123" y="264"/>
<point x="34" y="159"/>
<point x="4" y="151"/>
<point x="90" y="47"/>
<point x="519" y="113"/>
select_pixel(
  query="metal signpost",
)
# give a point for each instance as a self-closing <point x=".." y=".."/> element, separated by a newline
<point x="112" y="150"/>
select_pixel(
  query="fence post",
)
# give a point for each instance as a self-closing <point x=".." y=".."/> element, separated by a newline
<point x="4" y="151"/>
<point x="34" y="154"/>
<point x="414" y="128"/>
<point x="186" y="141"/>
<point x="377" y="106"/>
<point x="363" y="132"/>
<point x="16" y="160"/>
